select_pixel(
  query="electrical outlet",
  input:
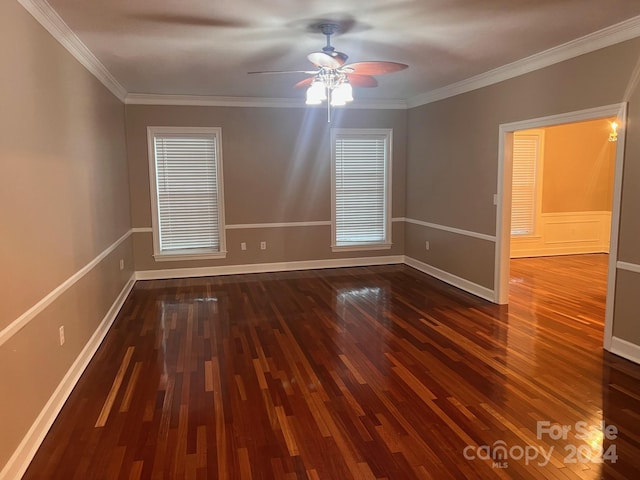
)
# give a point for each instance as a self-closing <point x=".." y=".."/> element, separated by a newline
<point x="121" y="264"/>
<point x="263" y="245"/>
<point x="243" y="246"/>
<point x="61" y="332"/>
<point x="426" y="245"/>
<point x="495" y="199"/>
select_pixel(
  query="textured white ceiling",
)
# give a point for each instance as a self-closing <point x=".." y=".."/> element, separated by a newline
<point x="206" y="47"/>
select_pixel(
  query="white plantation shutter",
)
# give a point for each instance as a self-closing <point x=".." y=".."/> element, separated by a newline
<point x="188" y="192"/>
<point x="523" y="208"/>
<point x="361" y="190"/>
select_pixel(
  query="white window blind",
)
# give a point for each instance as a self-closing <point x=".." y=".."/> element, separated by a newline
<point x="523" y="206"/>
<point x="188" y="193"/>
<point x="361" y="189"/>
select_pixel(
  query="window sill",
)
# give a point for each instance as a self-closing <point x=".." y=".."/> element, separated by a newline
<point x="364" y="246"/>
<point x="174" y="257"/>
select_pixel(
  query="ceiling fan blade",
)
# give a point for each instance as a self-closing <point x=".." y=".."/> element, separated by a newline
<point x="375" y="68"/>
<point x="322" y="59"/>
<point x="277" y="72"/>
<point x="191" y="20"/>
<point x="357" y="80"/>
<point x="304" y="83"/>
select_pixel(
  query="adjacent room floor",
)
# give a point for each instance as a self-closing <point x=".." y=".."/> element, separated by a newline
<point x="378" y="372"/>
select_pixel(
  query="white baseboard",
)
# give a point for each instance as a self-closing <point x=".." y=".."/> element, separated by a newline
<point x="625" y="349"/>
<point x="560" y="252"/>
<point x="19" y="461"/>
<point x="451" y="279"/>
<point x="267" y="267"/>
<point x="447" y="277"/>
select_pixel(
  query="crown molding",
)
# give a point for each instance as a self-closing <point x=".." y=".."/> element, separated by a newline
<point x="606" y="37"/>
<point x="56" y="26"/>
<point x="219" y="101"/>
<point x="209" y="101"/>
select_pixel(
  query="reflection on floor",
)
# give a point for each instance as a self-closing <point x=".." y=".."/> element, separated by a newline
<point x="378" y="372"/>
<point x="573" y="285"/>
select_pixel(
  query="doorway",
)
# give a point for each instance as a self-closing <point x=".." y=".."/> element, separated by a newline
<point x="505" y="188"/>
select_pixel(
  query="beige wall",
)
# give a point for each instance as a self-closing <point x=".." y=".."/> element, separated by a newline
<point x="579" y="163"/>
<point x="465" y="257"/>
<point x="63" y="200"/>
<point x="452" y="159"/>
<point x="277" y="169"/>
<point x="627" y="306"/>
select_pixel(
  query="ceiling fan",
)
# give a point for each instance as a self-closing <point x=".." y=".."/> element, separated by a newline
<point x="333" y="79"/>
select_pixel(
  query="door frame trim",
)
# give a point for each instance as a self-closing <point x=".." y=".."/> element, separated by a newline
<point x="503" y="211"/>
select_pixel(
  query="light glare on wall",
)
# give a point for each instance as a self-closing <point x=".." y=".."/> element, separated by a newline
<point x="613" y="136"/>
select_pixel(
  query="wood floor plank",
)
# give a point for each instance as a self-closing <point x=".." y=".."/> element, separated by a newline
<point x="360" y="373"/>
<point x="117" y="382"/>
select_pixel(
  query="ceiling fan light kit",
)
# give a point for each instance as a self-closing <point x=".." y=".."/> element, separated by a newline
<point x="330" y="86"/>
<point x="333" y="81"/>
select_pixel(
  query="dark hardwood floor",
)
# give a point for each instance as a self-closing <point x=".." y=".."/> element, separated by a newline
<point x="365" y="373"/>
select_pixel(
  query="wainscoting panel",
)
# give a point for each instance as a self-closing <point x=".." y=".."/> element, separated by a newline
<point x="566" y="234"/>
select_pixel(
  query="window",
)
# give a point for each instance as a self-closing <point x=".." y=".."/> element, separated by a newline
<point x="185" y="169"/>
<point x="524" y="206"/>
<point x="361" y="190"/>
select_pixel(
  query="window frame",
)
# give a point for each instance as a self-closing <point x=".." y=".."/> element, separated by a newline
<point x="387" y="133"/>
<point x="186" y="254"/>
